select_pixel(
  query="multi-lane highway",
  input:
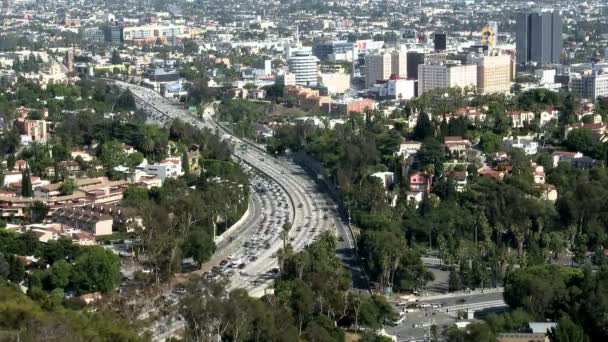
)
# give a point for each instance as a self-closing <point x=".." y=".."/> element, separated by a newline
<point x="288" y="196"/>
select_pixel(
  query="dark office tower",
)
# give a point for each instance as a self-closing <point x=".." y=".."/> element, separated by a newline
<point x="441" y="41"/>
<point x="539" y="37"/>
<point x="414" y="59"/>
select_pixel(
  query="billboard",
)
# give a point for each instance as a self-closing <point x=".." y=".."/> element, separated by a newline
<point x="488" y="36"/>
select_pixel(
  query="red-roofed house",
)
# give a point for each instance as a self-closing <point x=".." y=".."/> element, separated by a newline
<point x="492" y="173"/>
<point x="456" y="146"/>
<point x="598" y="130"/>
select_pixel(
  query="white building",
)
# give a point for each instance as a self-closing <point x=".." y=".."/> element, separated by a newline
<point x="304" y="66"/>
<point x="387" y="178"/>
<point x="168" y="168"/>
<point x="545" y="76"/>
<point x="445" y="75"/>
<point x="526" y="143"/>
<point x="401" y="89"/>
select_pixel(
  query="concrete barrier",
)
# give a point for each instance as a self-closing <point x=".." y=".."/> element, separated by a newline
<point x="237" y="224"/>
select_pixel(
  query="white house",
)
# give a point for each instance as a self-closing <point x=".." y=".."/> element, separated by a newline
<point x="526" y="143"/>
<point x="168" y="168"/>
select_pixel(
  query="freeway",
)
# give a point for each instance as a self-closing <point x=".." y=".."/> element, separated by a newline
<point x="295" y="198"/>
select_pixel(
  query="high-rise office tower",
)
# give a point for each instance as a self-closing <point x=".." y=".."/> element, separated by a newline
<point x="440" y="40"/>
<point x="377" y="67"/>
<point x="494" y="74"/>
<point x="399" y="64"/>
<point x="413" y="60"/>
<point x="381" y="66"/>
<point x="539" y="37"/>
<point x="68" y="60"/>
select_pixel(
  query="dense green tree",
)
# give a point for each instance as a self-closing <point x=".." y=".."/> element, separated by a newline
<point x="26" y="183"/>
<point x="95" y="269"/>
<point x="567" y="331"/>
<point x="60" y="274"/>
<point x="424" y="128"/>
<point x="580" y="139"/>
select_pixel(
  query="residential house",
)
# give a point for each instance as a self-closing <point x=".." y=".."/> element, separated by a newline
<point x="548" y="114"/>
<point x="520" y="119"/>
<point x="588" y="108"/>
<point x="459" y="178"/>
<point x="386" y="178"/>
<point x="538" y="172"/>
<point x="472" y="113"/>
<point x="500" y="175"/>
<point x="420" y="182"/>
<point x="548" y="192"/>
<point x="597" y="129"/>
<point x="168" y="168"/>
<point x="456" y="146"/>
<point x="408" y="148"/>
<point x="563" y="156"/>
<point x="526" y="143"/>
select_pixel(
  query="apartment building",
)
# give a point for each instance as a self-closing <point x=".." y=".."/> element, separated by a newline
<point x="446" y="75"/>
<point x="154" y="33"/>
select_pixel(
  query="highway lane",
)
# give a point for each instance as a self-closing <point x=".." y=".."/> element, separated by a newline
<point x="307" y="220"/>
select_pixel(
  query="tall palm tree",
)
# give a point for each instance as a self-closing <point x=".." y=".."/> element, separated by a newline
<point x="285" y="233"/>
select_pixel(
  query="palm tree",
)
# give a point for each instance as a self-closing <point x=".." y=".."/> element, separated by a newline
<point x="285" y="233"/>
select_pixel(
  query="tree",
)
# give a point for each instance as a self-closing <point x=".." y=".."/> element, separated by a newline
<point x="285" y="233"/>
<point x="185" y="163"/>
<point x="26" y="183"/>
<point x="567" y="331"/>
<point x="16" y="269"/>
<point x="96" y="269"/>
<point x="60" y="274"/>
<point x="115" y="59"/>
<point x="424" y="128"/>
<point x="68" y="186"/>
<point x="199" y="246"/>
<point x="5" y="269"/>
<point x="580" y="139"/>
<point x="112" y="154"/>
<point x="490" y="143"/>
<point x="134" y="195"/>
<point x="38" y="211"/>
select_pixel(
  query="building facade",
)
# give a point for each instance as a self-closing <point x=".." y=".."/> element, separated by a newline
<point x="378" y="67"/>
<point x="590" y="86"/>
<point x="304" y="66"/>
<point x="444" y="75"/>
<point x="539" y="37"/>
<point x="494" y="74"/>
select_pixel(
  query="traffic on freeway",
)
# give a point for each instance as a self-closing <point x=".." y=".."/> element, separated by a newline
<point x="290" y="197"/>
